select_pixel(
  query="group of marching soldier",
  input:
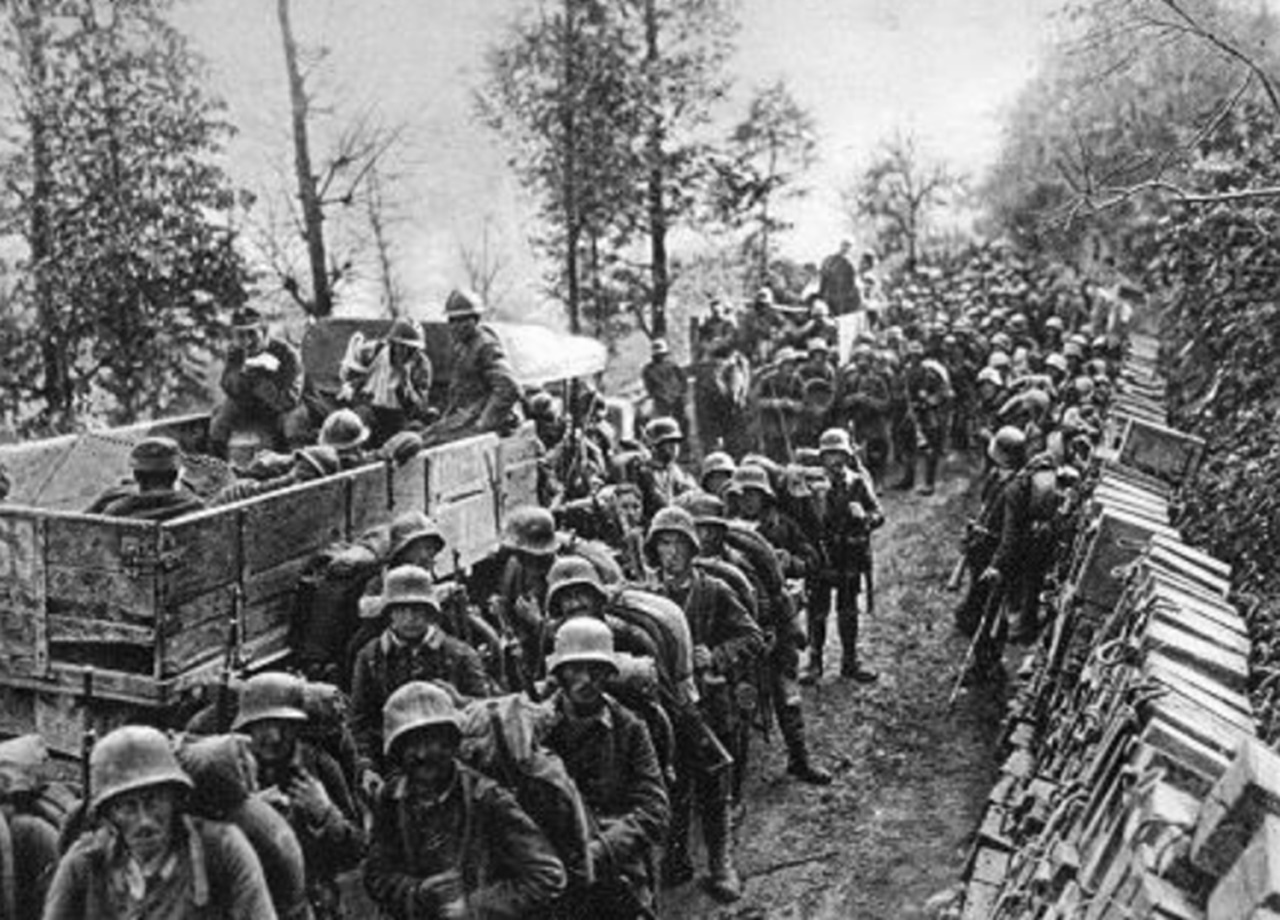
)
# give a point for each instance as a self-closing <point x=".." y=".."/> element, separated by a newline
<point x="537" y="741"/>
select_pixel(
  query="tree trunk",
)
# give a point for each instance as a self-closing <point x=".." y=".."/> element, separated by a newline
<point x="55" y="389"/>
<point x="661" y="281"/>
<point x="573" y="221"/>
<point x="321" y="303"/>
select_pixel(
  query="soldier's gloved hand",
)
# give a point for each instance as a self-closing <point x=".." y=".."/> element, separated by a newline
<point x="701" y="658"/>
<point x="309" y="797"/>
<point x="443" y="896"/>
<point x="371" y="784"/>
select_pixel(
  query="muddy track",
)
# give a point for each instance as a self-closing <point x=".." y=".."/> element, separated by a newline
<point x="894" y="827"/>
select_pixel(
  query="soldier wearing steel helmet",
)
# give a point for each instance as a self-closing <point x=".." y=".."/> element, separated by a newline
<point x="726" y="642"/>
<point x="148" y="857"/>
<point x="261" y="383"/>
<point x="778" y="397"/>
<point x="302" y="782"/>
<point x="863" y="404"/>
<point x="666" y="384"/>
<point x="851" y="512"/>
<point x="414" y="647"/>
<point x="610" y="755"/>
<point x="447" y="842"/>
<point x="483" y="391"/>
<point x="388" y="380"/>
<point x="661" y="478"/>
<point x="989" y="556"/>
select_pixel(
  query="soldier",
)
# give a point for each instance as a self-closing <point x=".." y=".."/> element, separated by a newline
<point x="850" y="514"/>
<point x="780" y="630"/>
<point x="303" y="783"/>
<point x="155" y="493"/>
<point x="779" y="400"/>
<point x="929" y="396"/>
<point x="31" y="819"/>
<point x="346" y="433"/>
<point x="388" y="381"/>
<point x="662" y="478"/>
<point x="759" y="329"/>
<point x="483" y="391"/>
<point x="717" y="470"/>
<point x="414" y="647"/>
<point x="608" y="752"/>
<point x="838" y="284"/>
<point x="717" y="334"/>
<point x="864" y="401"/>
<point x="756" y="502"/>
<point x="530" y="542"/>
<point x="308" y="464"/>
<point x="726" y="640"/>
<point x="446" y="841"/>
<point x="148" y="857"/>
<point x="988" y="556"/>
<point x="666" y="385"/>
<point x="262" y="382"/>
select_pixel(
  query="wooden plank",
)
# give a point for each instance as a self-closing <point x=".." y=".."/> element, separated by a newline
<point x="460" y="464"/>
<point x="470" y="526"/>
<point x="75" y="629"/>
<point x="279" y="580"/>
<point x="89" y="542"/>
<point x="519" y="485"/>
<point x="98" y="594"/>
<point x="1165" y="452"/>
<point x="1253" y="883"/>
<point x="206" y="548"/>
<point x="1234" y="809"/>
<point x="409" y="485"/>
<point x="294" y="522"/>
<point x="23" y="641"/>
<point x="193" y="644"/>
<point x="370" y="497"/>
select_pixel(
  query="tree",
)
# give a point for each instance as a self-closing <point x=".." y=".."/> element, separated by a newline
<point x="558" y="91"/>
<point x="769" y="152"/>
<point x="120" y="212"/>
<point x="896" y="194"/>
<point x="353" y="180"/>
<point x="602" y="104"/>
<point x="484" y="263"/>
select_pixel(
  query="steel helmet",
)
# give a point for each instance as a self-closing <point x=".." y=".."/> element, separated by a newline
<point x="570" y="571"/>
<point x="835" y="440"/>
<point x="1036" y="401"/>
<point x="819" y="309"/>
<point x="410" y="527"/>
<point x="406" y="332"/>
<point x="462" y="304"/>
<point x="1008" y="447"/>
<point x="417" y="704"/>
<point x="583" y="639"/>
<point x="818" y="344"/>
<point x="531" y="529"/>
<point x="1018" y="321"/>
<point x="659" y="347"/>
<point x="317" y="461"/>
<point x="764" y="296"/>
<point x="915" y="348"/>
<point x="664" y="428"/>
<point x="1084" y="387"/>
<point x="786" y="353"/>
<point x="1055" y="322"/>
<point x="1057" y="361"/>
<point x="999" y="359"/>
<point x="1001" y="342"/>
<point x="990" y="375"/>
<point x="673" y="520"/>
<point x="343" y="430"/>
<point x="272" y="695"/>
<point x="409" y="584"/>
<point x="132" y="757"/>
<point x="717" y="462"/>
<point x="749" y="476"/>
<point x="705" y="509"/>
<point x="1072" y="350"/>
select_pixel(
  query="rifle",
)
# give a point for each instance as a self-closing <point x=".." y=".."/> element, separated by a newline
<point x="957" y="575"/>
<point x="230" y="665"/>
<point x="988" y="624"/>
<point x="709" y="750"/>
<point x="89" y="737"/>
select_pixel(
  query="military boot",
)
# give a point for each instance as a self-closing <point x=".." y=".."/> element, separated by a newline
<point x="723" y="882"/>
<point x="801" y="767"/>
<point x="930" y="475"/>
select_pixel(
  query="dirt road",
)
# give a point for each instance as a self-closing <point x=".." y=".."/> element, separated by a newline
<point x="893" y="829"/>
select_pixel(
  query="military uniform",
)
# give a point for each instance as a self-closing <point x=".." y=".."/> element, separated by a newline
<point x="256" y="396"/>
<point x="779" y="400"/>
<point x="483" y="391"/>
<point x="613" y="763"/>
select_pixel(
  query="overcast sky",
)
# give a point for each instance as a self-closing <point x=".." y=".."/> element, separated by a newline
<point x="942" y="69"/>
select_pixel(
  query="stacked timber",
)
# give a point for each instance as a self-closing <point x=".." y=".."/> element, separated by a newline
<point x="1132" y="784"/>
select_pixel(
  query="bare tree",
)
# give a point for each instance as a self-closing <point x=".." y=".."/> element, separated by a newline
<point x="897" y="192"/>
<point x="484" y="263"/>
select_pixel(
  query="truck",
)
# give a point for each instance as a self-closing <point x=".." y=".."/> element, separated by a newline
<point x="105" y="621"/>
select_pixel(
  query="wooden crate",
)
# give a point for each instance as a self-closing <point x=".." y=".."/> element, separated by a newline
<point x="1163" y="452"/>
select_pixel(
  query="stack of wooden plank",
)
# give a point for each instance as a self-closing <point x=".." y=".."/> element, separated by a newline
<point x="1133" y="785"/>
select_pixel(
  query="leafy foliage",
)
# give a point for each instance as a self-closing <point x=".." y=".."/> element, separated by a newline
<point x="120" y="212"/>
<point x="769" y="152"/>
